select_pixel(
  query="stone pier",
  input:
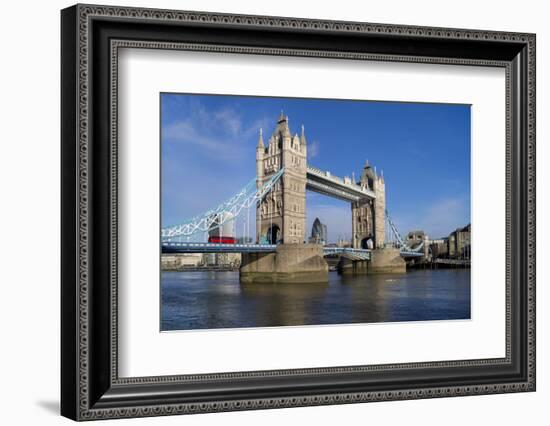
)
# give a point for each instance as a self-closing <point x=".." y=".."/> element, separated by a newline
<point x="383" y="261"/>
<point x="387" y="261"/>
<point x="291" y="263"/>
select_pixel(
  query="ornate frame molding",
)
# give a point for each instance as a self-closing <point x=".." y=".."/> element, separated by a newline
<point x="89" y="401"/>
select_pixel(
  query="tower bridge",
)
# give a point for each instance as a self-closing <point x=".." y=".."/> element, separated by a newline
<point x="278" y="195"/>
<point x="281" y="216"/>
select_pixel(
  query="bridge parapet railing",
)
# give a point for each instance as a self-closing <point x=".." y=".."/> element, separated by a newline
<point x="345" y="250"/>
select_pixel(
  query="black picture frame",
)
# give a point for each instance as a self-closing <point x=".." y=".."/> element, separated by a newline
<point x="90" y="386"/>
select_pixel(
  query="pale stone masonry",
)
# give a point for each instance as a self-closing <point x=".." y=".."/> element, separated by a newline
<point x="368" y="217"/>
<point x="459" y="243"/>
<point x="385" y="260"/>
<point x="291" y="263"/>
<point x="281" y="216"/>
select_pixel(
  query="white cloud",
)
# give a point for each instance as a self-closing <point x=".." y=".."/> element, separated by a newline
<point x="198" y="140"/>
<point x="229" y="120"/>
<point x="220" y="132"/>
<point x="313" y="149"/>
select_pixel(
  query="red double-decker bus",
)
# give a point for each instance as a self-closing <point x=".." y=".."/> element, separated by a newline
<point x="221" y="239"/>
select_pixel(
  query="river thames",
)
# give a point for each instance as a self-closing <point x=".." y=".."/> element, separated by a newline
<point x="207" y="300"/>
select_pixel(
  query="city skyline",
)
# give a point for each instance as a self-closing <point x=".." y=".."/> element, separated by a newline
<point x="423" y="150"/>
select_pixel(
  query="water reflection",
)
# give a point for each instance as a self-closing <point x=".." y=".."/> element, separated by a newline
<point x="201" y="300"/>
<point x="284" y="304"/>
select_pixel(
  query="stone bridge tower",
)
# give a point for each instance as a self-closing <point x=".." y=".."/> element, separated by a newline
<point x="281" y="216"/>
<point x="368" y="217"/>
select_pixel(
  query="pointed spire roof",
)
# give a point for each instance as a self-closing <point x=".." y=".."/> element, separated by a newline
<point x="303" y="137"/>
<point x="282" y="128"/>
<point x="368" y="171"/>
<point x="261" y="140"/>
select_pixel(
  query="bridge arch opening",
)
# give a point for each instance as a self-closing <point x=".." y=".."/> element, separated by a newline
<point x="335" y="216"/>
<point x="274" y="234"/>
<point x="367" y="242"/>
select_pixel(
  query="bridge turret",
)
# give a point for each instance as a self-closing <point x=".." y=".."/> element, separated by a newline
<point x="282" y="216"/>
<point x="260" y="154"/>
<point x="261" y="145"/>
<point x="282" y="132"/>
<point x="368" y="176"/>
<point x="379" y="188"/>
<point x="368" y="215"/>
<point x="295" y="142"/>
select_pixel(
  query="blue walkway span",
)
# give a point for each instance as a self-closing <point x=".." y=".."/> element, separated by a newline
<point x="184" y="247"/>
<point x="174" y="247"/>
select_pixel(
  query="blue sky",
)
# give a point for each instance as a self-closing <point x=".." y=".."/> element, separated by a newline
<point x="208" y="148"/>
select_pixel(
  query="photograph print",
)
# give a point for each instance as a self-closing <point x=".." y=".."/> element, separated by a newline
<point x="307" y="212"/>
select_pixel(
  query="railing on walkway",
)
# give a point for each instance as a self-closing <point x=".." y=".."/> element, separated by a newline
<point x="184" y="247"/>
<point x="189" y="247"/>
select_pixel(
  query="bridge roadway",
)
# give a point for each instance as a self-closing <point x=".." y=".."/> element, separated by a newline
<point x="187" y="247"/>
<point x="174" y="247"/>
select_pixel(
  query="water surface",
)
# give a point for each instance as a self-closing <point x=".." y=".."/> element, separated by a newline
<point x="202" y="300"/>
